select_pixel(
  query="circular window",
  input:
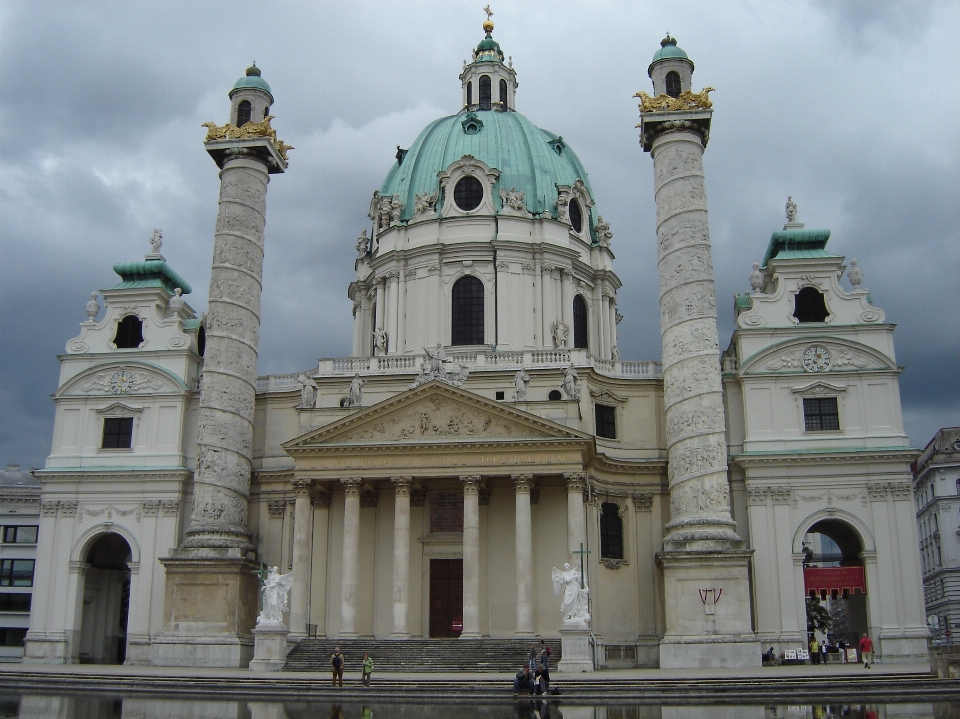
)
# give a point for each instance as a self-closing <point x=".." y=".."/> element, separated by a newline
<point x="576" y="216"/>
<point x="468" y="194"/>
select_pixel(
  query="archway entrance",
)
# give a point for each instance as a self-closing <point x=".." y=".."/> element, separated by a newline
<point x="446" y="597"/>
<point x="834" y="576"/>
<point x="106" y="602"/>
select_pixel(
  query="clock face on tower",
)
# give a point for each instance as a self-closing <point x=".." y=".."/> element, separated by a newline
<point x="816" y="358"/>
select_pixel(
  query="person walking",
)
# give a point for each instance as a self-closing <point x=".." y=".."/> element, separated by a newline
<point x="336" y="666"/>
<point x="532" y="659"/>
<point x="544" y="654"/>
<point x="823" y="651"/>
<point x="842" y="646"/>
<point x="866" y="650"/>
<point x="367" y="669"/>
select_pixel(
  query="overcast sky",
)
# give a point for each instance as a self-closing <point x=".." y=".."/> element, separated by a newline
<point x="849" y="106"/>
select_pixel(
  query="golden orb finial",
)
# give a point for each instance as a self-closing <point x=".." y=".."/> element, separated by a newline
<point x="488" y="23"/>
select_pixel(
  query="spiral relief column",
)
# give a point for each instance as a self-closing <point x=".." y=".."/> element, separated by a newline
<point x="702" y="557"/>
<point x="211" y="594"/>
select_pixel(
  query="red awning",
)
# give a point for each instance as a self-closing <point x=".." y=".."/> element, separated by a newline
<point x="829" y="580"/>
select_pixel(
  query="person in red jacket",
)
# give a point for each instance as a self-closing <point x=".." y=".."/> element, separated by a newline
<point x="866" y="650"/>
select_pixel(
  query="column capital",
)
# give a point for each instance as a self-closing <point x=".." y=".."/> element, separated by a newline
<point x="567" y="274"/>
<point x="302" y="487"/>
<point x="471" y="483"/>
<point x="522" y="483"/>
<point x="351" y="485"/>
<point x="576" y="481"/>
<point x="402" y="485"/>
<point x="643" y="501"/>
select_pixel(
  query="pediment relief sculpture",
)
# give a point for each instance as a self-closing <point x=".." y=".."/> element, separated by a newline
<point x="815" y="355"/>
<point x="121" y="380"/>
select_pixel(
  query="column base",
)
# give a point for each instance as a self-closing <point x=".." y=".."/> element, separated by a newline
<point x="270" y="648"/>
<point x="471" y="635"/>
<point x="400" y="635"/>
<point x="576" y="653"/>
<point x="52" y="648"/>
<point x="210" y="609"/>
<point x="707" y="610"/>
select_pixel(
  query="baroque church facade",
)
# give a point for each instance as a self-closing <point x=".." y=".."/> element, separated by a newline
<point x="485" y="428"/>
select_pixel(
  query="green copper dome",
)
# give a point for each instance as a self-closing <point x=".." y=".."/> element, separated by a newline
<point x="526" y="156"/>
<point x="252" y="80"/>
<point x="488" y="49"/>
<point x="669" y="51"/>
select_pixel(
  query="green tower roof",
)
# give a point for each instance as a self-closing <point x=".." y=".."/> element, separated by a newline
<point x="149" y="273"/>
<point x="525" y="155"/>
<point x="252" y="80"/>
<point x="668" y="51"/>
<point x="797" y="244"/>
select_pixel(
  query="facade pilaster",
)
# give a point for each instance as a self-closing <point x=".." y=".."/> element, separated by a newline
<point x="358" y="333"/>
<point x="576" y="521"/>
<point x="393" y="283"/>
<point x="402" y="310"/>
<point x="351" y="557"/>
<point x="401" y="556"/>
<point x="471" y="556"/>
<point x="605" y="323"/>
<point x="566" y="299"/>
<point x="302" y="561"/>
<point x="522" y="484"/>
<point x="379" y="321"/>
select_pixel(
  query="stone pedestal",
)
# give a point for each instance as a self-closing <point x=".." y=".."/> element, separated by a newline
<point x="270" y="647"/>
<point x="707" y="606"/>
<point x="576" y="652"/>
<point x="209" y="609"/>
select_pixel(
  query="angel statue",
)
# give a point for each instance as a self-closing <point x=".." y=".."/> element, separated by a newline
<point x="275" y="589"/>
<point x="156" y="242"/>
<point x="567" y="581"/>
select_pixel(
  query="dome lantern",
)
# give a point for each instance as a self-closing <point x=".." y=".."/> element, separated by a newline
<point x="671" y="70"/>
<point x="488" y="83"/>
<point x="250" y="98"/>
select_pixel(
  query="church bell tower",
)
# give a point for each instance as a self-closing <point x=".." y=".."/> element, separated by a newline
<point x="211" y="591"/>
<point x="704" y="561"/>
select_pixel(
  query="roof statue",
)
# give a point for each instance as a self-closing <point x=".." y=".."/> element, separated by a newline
<point x="791" y="209"/>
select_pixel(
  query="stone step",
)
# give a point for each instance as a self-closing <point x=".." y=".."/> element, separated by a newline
<point x="419" y="655"/>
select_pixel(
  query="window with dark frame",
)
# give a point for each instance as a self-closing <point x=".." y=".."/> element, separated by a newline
<point x="820" y="414"/>
<point x="554" y="395"/>
<point x="469" y="93"/>
<point x="503" y="94"/>
<point x="10" y="602"/>
<point x="673" y="83"/>
<point x="611" y="531"/>
<point x="16" y="573"/>
<point x="244" y="112"/>
<point x="606" y="420"/>
<point x="12" y="636"/>
<point x="579" y="322"/>
<point x="129" y="333"/>
<point x="467" y="312"/>
<point x="809" y="306"/>
<point x="576" y="216"/>
<point x="468" y="193"/>
<point x="20" y="534"/>
<point x="486" y="94"/>
<point x="117" y="433"/>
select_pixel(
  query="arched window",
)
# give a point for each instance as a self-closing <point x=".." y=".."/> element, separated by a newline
<point x="467" y="312"/>
<point x="503" y="94"/>
<point x="673" y="83"/>
<point x="129" y="333"/>
<point x="485" y="92"/>
<point x="469" y="93"/>
<point x="555" y="396"/>
<point x="611" y="531"/>
<point x="243" y="113"/>
<point x="265" y="111"/>
<point x="809" y="306"/>
<point x="579" y="322"/>
<point x="576" y="216"/>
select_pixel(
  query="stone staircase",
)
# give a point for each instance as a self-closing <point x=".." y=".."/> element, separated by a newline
<point x="418" y="655"/>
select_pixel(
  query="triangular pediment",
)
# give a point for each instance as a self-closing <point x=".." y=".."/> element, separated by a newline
<point x="432" y="413"/>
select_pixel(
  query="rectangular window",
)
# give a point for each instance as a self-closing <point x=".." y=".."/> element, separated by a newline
<point x="20" y="535"/>
<point x="12" y="636"/>
<point x="820" y="414"/>
<point x="117" y="432"/>
<point x="10" y="602"/>
<point x="606" y="420"/>
<point x="16" y="573"/>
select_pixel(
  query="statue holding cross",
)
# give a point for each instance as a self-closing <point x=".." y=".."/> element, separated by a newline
<point x="576" y="595"/>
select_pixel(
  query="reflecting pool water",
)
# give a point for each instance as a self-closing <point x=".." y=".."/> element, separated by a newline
<point x="116" y="707"/>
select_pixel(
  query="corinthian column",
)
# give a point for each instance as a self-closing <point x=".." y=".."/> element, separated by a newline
<point x="350" y="571"/>
<point x="302" y="545"/>
<point x="401" y="556"/>
<point x="471" y="556"/>
<point x="576" y="524"/>
<point x="696" y="441"/>
<point x="522" y="484"/>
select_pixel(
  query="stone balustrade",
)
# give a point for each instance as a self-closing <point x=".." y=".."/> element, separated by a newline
<point x="476" y="361"/>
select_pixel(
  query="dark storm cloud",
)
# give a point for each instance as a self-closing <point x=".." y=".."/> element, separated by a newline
<point x="830" y="102"/>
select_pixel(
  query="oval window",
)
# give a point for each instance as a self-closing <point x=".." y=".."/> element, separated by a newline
<point x="576" y="216"/>
<point x="468" y="193"/>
